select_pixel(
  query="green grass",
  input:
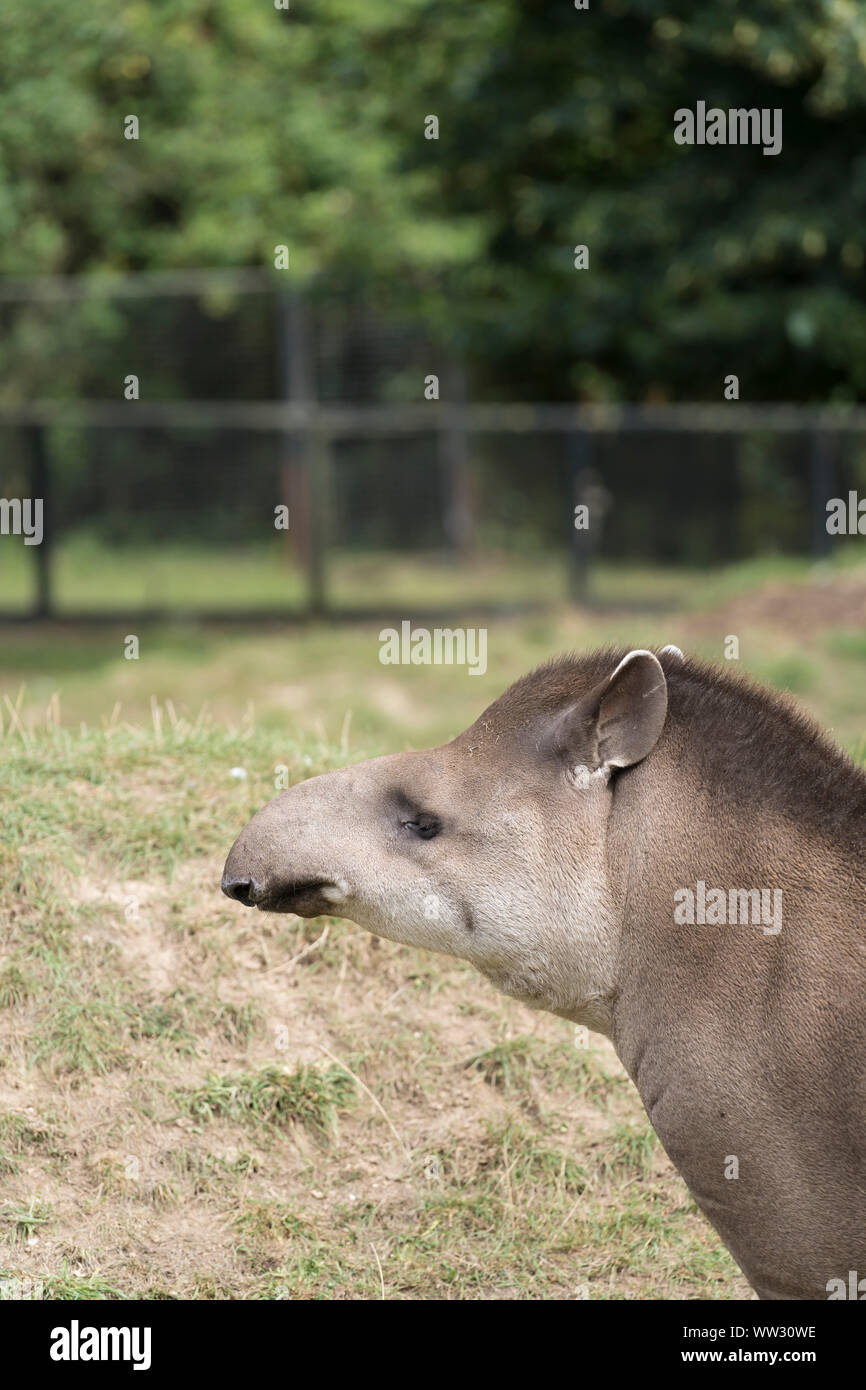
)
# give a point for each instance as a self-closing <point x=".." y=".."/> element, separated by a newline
<point x="16" y="985"/>
<point x="82" y="1035"/>
<point x="308" y="1095"/>
<point x="260" y="1221"/>
<point x="321" y="686"/>
<point x="20" y="1136"/>
<point x="90" y="576"/>
<point x="505" y="1065"/>
<point x="70" y="1288"/>
<point x="20" y="1222"/>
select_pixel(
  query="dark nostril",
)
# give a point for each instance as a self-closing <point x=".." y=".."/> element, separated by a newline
<point x="243" y="890"/>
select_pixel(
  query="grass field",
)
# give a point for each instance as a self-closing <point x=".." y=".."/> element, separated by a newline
<point x="89" y="577"/>
<point x="198" y="1102"/>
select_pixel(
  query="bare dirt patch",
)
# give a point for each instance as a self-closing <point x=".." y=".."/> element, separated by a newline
<point x="805" y="608"/>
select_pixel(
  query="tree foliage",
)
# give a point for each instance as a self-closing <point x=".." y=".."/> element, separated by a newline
<point x="305" y="127"/>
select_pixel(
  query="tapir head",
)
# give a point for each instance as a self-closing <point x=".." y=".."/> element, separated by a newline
<point x="492" y="848"/>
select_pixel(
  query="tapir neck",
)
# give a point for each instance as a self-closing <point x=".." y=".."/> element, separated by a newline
<point x="713" y="891"/>
<point x="742" y="1025"/>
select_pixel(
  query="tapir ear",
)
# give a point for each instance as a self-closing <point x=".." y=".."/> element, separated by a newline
<point x="620" y="720"/>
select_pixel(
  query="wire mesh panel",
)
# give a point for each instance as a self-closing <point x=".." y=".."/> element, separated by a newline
<point x="209" y="444"/>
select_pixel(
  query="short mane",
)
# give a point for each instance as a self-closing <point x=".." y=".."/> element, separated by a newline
<point x="767" y="751"/>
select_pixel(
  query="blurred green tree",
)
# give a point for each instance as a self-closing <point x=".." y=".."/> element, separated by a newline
<point x="306" y="127"/>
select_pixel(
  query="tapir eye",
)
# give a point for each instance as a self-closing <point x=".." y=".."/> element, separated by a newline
<point x="422" y="825"/>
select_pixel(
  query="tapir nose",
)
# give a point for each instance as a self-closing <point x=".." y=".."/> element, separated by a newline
<point x="244" y="890"/>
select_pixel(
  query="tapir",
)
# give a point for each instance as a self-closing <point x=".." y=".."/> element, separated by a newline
<point x="586" y="844"/>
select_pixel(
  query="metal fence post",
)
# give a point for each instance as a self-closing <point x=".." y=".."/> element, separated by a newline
<point x="40" y="488"/>
<point x="823" y="481"/>
<point x="295" y="386"/>
<point x="460" y="500"/>
<point x="318" y="471"/>
<point x="580" y="478"/>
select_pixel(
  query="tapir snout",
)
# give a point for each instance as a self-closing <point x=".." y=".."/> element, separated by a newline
<point x="291" y="855"/>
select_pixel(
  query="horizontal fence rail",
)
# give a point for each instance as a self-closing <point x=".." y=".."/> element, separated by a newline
<point x="339" y="421"/>
<point x="144" y="284"/>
